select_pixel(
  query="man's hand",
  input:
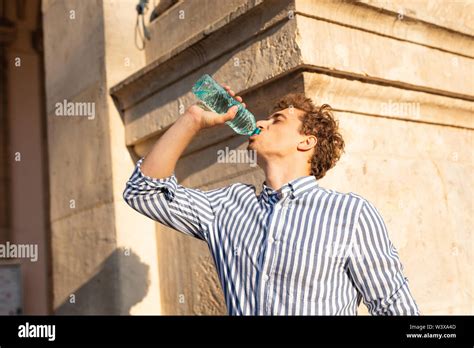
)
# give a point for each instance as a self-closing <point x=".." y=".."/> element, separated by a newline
<point x="205" y="119"/>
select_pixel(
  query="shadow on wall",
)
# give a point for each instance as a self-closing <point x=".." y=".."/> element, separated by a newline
<point x="121" y="282"/>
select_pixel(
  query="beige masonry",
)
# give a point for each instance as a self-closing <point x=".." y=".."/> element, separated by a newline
<point x="367" y="59"/>
<point x="416" y="166"/>
<point x="104" y="256"/>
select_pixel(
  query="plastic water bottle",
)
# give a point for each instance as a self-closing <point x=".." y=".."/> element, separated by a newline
<point x="214" y="97"/>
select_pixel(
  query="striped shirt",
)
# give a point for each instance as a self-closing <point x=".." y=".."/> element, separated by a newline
<point x="300" y="250"/>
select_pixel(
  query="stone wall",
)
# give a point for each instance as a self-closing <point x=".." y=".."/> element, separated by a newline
<point x="23" y="173"/>
<point x="104" y="254"/>
<point x="395" y="74"/>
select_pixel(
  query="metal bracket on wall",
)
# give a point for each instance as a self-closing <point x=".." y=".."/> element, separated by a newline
<point x="141" y="8"/>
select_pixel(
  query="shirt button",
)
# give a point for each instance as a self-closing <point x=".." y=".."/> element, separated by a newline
<point x="271" y="240"/>
<point x="265" y="278"/>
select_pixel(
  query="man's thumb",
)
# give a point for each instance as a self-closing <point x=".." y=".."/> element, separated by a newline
<point x="231" y="112"/>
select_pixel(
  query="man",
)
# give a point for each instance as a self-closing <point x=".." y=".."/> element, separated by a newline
<point x="294" y="249"/>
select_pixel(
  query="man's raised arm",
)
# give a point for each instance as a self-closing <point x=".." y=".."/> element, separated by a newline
<point x="153" y="189"/>
<point x="162" y="159"/>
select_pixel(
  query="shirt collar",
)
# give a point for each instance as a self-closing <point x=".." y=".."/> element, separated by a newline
<point x="293" y="188"/>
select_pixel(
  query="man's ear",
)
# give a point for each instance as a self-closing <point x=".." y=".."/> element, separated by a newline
<point x="308" y="143"/>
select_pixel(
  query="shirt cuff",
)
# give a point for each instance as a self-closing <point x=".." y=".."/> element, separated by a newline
<point x="143" y="182"/>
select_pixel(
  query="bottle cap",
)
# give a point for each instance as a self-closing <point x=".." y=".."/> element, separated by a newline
<point x="255" y="131"/>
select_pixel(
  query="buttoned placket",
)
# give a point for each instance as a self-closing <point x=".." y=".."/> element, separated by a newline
<point x="273" y="233"/>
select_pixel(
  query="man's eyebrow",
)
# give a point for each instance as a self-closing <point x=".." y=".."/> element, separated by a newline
<point x="276" y="114"/>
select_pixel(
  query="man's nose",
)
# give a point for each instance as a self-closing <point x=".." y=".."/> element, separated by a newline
<point x="261" y="124"/>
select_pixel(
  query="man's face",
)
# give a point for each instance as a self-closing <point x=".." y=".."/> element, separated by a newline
<point x="280" y="134"/>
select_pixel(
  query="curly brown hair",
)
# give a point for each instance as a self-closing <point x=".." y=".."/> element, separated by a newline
<point x="320" y="122"/>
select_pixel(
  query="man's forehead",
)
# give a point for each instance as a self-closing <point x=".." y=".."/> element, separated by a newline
<point x="290" y="111"/>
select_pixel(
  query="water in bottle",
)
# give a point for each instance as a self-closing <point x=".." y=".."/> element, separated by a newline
<point x="215" y="98"/>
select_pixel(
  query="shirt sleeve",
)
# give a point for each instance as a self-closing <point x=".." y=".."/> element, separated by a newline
<point x="375" y="267"/>
<point x="186" y="210"/>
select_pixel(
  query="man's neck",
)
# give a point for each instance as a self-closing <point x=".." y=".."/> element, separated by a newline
<point x="278" y="174"/>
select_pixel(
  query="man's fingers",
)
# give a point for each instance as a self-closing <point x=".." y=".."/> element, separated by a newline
<point x="229" y="90"/>
<point x="239" y="98"/>
<point x="232" y="93"/>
